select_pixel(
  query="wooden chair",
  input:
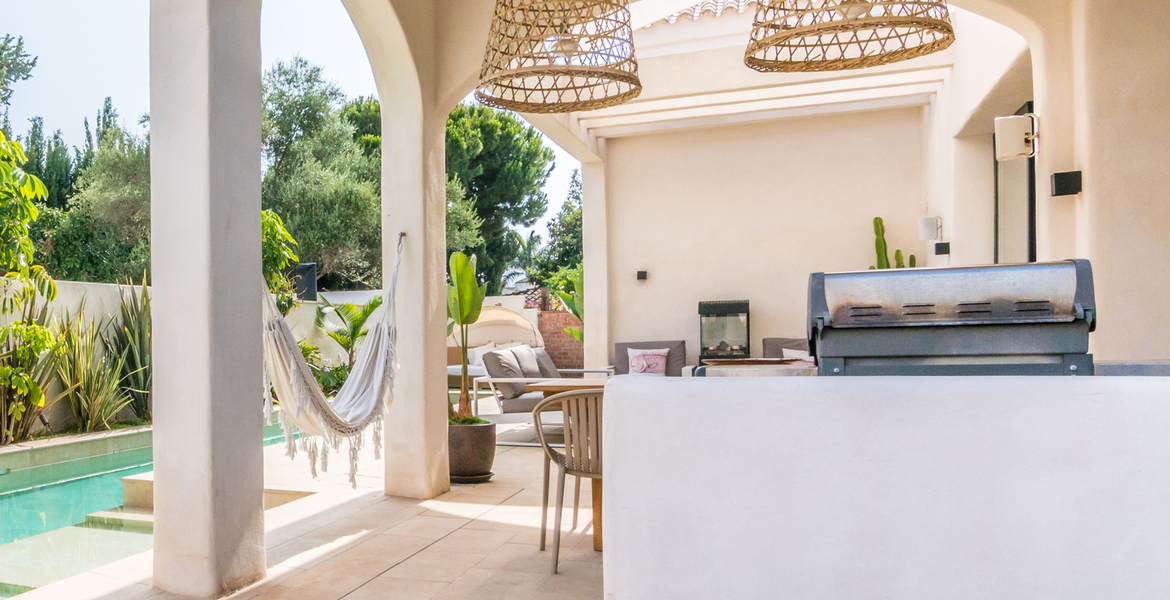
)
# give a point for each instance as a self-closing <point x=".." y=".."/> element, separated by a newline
<point x="582" y="457"/>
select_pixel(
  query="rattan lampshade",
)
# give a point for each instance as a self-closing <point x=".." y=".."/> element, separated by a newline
<point x="552" y="56"/>
<point x="833" y="35"/>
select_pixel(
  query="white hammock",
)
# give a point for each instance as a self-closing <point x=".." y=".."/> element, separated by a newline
<point x="360" y="402"/>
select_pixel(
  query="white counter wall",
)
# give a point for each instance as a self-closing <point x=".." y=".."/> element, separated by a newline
<point x="887" y="488"/>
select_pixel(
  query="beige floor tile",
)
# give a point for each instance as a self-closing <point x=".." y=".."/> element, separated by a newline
<point x="297" y="592"/>
<point x="573" y="581"/>
<point x="356" y="566"/>
<point x="136" y="569"/>
<point x="433" y="565"/>
<point x="347" y="527"/>
<point x="393" y="588"/>
<point x="91" y="586"/>
<point x="275" y="576"/>
<point x="479" y="541"/>
<point x="483" y="584"/>
<point x="388" y="513"/>
<point x="424" y="526"/>
<point x="519" y="557"/>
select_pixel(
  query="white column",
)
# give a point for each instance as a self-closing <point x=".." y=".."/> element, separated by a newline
<point x="205" y="222"/>
<point x="414" y="202"/>
<point x="594" y="228"/>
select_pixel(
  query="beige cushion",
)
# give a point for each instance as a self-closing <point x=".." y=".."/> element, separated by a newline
<point x="502" y="363"/>
<point x="475" y="355"/>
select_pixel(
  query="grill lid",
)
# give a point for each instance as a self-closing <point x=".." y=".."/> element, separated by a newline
<point x="1001" y="294"/>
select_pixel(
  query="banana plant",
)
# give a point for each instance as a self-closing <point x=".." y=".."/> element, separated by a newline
<point x="464" y="302"/>
<point x="575" y="302"/>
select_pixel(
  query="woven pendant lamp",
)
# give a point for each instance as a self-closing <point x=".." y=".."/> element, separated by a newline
<point x="555" y="56"/>
<point x="834" y="35"/>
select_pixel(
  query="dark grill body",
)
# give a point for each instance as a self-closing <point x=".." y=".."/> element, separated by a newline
<point x="1028" y="319"/>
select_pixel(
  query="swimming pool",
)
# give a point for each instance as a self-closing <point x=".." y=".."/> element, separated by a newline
<point x="44" y="534"/>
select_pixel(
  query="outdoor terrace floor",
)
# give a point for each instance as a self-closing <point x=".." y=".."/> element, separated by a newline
<point x="476" y="542"/>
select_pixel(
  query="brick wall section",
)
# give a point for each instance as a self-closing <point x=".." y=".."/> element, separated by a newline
<point x="566" y="352"/>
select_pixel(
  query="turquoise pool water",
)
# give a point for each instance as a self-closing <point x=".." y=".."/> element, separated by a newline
<point x="62" y="504"/>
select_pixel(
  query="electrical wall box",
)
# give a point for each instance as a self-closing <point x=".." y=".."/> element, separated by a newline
<point x="641" y="276"/>
<point x="942" y="248"/>
<point x="1015" y="137"/>
<point x="1066" y="184"/>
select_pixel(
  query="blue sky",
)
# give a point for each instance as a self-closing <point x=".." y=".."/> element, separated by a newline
<point x="90" y="49"/>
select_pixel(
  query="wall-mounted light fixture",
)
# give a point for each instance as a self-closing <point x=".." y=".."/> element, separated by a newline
<point x="1066" y="184"/>
<point x="1016" y="137"/>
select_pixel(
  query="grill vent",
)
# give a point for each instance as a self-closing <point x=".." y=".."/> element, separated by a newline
<point x="1033" y="306"/>
<point x="918" y="309"/>
<point x="868" y="310"/>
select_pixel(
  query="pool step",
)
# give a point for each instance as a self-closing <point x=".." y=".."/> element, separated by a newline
<point x="122" y="520"/>
<point x="138" y="493"/>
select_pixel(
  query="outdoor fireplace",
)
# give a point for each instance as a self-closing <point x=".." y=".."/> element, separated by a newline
<point x="1024" y="319"/>
<point x="724" y="331"/>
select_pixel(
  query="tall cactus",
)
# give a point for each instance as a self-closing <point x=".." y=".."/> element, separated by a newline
<point x="883" y="253"/>
<point x="883" y="250"/>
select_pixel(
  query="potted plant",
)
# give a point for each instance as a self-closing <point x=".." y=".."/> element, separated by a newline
<point x="471" y="441"/>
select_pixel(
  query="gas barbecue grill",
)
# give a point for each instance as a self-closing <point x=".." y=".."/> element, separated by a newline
<point x="1029" y="319"/>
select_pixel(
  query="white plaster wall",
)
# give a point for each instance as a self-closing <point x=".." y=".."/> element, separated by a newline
<point x="817" y="487"/>
<point x="747" y="212"/>
<point x="1125" y="119"/>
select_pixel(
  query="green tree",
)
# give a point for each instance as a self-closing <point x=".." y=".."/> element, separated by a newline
<point x="298" y="102"/>
<point x="565" y="246"/>
<point x="60" y="172"/>
<point x="319" y="178"/>
<point x="504" y="164"/>
<point x="365" y="114"/>
<point x="104" y="236"/>
<point x="462" y="222"/>
<point x="15" y="65"/>
<point x="49" y="161"/>
<point x="527" y="260"/>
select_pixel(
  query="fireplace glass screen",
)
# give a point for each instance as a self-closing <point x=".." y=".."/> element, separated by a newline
<point x="724" y="331"/>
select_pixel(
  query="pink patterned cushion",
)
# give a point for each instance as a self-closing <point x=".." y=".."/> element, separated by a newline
<point x="648" y="362"/>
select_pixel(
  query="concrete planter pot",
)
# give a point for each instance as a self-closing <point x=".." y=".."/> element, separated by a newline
<point x="472" y="450"/>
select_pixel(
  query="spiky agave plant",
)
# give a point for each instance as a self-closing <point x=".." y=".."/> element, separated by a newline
<point x="95" y="377"/>
<point x="131" y="340"/>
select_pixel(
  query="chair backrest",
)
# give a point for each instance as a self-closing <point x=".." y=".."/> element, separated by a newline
<point x="774" y="347"/>
<point x="582" y="425"/>
<point x="676" y="358"/>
